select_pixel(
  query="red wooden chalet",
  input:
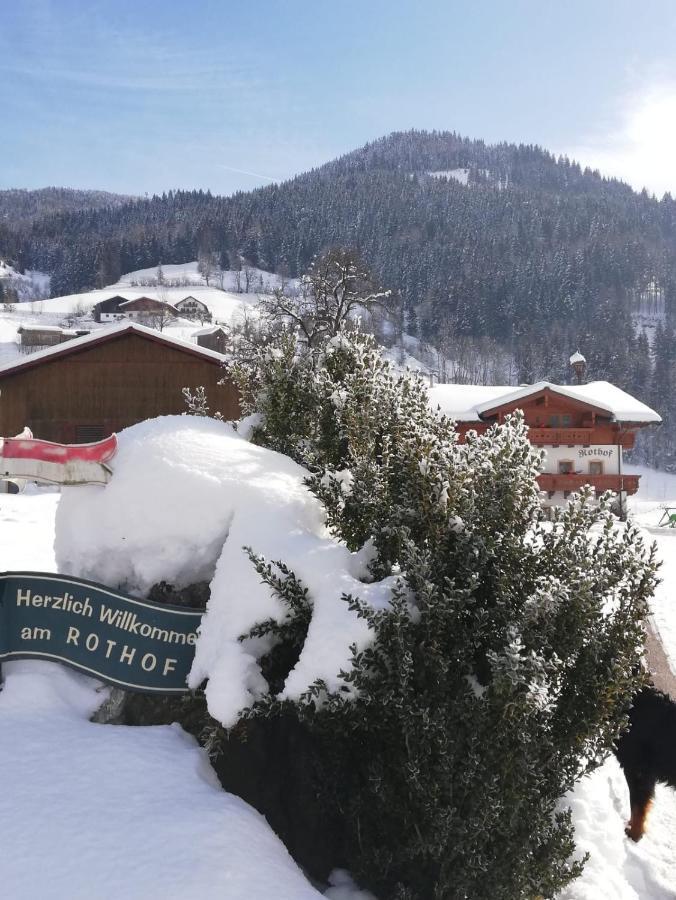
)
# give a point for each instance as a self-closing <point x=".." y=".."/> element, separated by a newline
<point x="583" y="428"/>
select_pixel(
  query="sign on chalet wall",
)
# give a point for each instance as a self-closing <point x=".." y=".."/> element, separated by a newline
<point x="133" y="644"/>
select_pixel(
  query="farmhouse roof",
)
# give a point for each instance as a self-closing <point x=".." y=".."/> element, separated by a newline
<point x="101" y="336"/>
<point x="145" y="300"/>
<point x="39" y="328"/>
<point x="212" y="329"/>
<point x="470" y="403"/>
<point x="110" y="304"/>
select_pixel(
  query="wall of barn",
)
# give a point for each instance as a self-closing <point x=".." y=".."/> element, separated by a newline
<point x="107" y="387"/>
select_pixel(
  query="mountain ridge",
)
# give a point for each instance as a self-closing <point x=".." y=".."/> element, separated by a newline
<point x="535" y="254"/>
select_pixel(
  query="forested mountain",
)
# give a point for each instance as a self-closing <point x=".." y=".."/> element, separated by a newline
<point x="532" y="252"/>
<point x="19" y="206"/>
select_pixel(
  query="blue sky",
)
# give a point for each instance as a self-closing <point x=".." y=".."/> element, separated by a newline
<point x="141" y="96"/>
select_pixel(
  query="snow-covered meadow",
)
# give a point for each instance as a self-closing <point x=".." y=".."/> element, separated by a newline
<point x="138" y="809"/>
<point x="228" y="304"/>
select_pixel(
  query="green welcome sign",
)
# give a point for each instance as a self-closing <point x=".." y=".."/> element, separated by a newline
<point x="133" y="644"/>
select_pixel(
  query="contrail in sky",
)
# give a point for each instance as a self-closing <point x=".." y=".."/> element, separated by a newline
<point x="244" y="172"/>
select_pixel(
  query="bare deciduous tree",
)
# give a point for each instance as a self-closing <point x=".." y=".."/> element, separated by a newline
<point x="337" y="290"/>
<point x="207" y="264"/>
<point x="160" y="318"/>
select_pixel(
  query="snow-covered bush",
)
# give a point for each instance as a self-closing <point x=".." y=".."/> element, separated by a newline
<point x="503" y="668"/>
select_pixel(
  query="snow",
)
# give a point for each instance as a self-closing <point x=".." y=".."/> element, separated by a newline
<point x="179" y="281"/>
<point x="102" y="811"/>
<point x="617" y="868"/>
<point x="137" y="809"/>
<point x="186" y="496"/>
<point x="461" y="175"/>
<point x="657" y="490"/>
<point x="227" y="306"/>
<point x="29" y="286"/>
<point x="461" y="401"/>
<point x="466" y="402"/>
<point x="204" y="331"/>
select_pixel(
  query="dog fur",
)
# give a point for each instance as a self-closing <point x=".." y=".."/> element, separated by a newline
<point x="647" y="753"/>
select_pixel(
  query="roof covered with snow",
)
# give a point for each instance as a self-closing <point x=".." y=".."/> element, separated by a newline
<point x="38" y="328"/>
<point x="105" y="334"/>
<point x="461" y="401"/>
<point x="212" y="329"/>
<point x="470" y="403"/>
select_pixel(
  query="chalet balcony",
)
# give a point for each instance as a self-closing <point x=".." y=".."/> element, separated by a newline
<point x="565" y="436"/>
<point x="580" y="437"/>
<point x="551" y="481"/>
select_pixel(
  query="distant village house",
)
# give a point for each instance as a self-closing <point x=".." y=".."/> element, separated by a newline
<point x="108" y="310"/>
<point x="140" y="309"/>
<point x="192" y="308"/>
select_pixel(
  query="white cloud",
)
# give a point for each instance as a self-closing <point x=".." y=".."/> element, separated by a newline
<point x="641" y="149"/>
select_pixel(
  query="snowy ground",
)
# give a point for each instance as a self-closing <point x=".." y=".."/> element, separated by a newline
<point x="97" y="812"/>
<point x="657" y="491"/>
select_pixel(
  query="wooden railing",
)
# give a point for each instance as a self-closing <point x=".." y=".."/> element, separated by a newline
<point x="581" y="436"/>
<point x="564" y="436"/>
<point x="552" y="481"/>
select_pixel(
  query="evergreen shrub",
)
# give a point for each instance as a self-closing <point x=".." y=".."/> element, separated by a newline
<point x="503" y="669"/>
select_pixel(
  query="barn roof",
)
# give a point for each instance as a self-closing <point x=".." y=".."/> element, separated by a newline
<point x="469" y="403"/>
<point x="103" y="335"/>
<point x="110" y="304"/>
<point x="152" y="300"/>
<point x="212" y="329"/>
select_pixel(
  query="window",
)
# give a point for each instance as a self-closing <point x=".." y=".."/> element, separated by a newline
<point x="565" y="467"/>
<point x="596" y="467"/>
<point x="566" y="421"/>
<point x="553" y="421"/>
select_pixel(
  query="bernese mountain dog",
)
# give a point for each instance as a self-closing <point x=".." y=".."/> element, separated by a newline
<point x="647" y="753"/>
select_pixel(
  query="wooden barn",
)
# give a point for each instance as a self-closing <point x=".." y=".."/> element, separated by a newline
<point x="213" y="338"/>
<point x="84" y="389"/>
<point x="36" y="337"/>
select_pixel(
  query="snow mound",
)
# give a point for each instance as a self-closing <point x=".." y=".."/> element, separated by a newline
<point x="103" y="811"/>
<point x="186" y="496"/>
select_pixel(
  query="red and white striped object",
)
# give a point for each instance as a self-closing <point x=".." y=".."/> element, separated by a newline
<point x="35" y="460"/>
